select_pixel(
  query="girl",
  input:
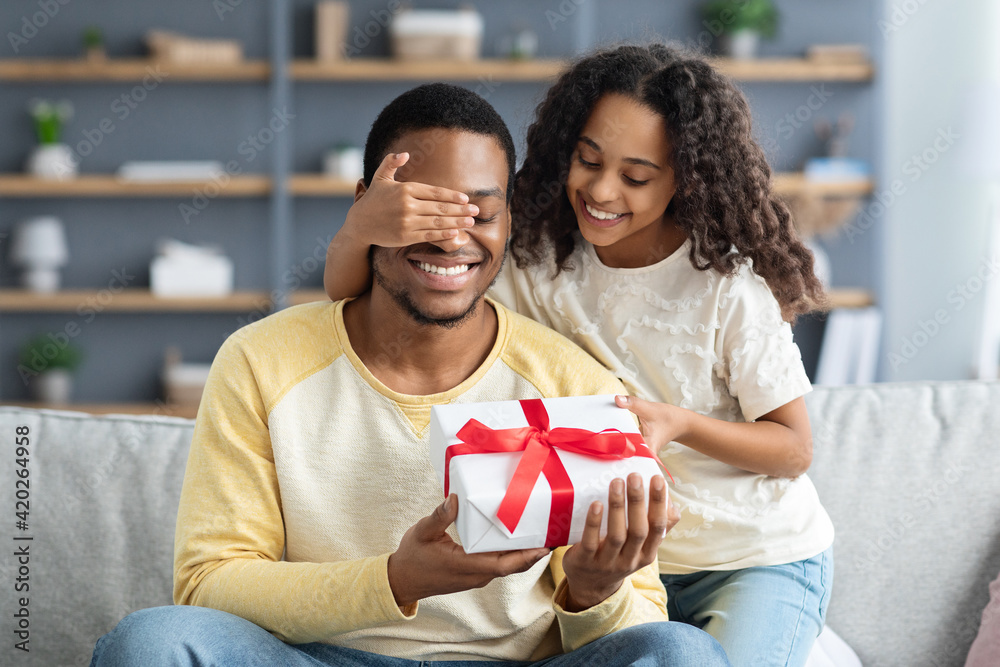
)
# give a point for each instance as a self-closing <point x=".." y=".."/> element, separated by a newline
<point x="645" y="229"/>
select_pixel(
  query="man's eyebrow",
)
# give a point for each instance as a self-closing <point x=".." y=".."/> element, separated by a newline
<point x="487" y="192"/>
<point x="631" y="160"/>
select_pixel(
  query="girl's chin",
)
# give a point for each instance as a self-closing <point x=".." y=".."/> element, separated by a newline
<point x="600" y="237"/>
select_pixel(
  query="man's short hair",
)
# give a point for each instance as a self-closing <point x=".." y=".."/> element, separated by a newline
<point x="436" y="105"/>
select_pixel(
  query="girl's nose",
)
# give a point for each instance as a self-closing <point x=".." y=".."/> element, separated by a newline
<point x="603" y="187"/>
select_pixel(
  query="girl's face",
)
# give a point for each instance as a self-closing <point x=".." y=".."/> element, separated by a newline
<point x="620" y="182"/>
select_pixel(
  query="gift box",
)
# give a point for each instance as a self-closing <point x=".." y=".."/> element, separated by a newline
<point x="525" y="472"/>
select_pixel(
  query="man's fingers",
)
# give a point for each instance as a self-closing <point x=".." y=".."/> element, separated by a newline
<point x="638" y="519"/>
<point x="658" y="519"/>
<point x="591" y="539"/>
<point x="511" y="562"/>
<point x="390" y="163"/>
<point x="615" y="538"/>
<point x="443" y="516"/>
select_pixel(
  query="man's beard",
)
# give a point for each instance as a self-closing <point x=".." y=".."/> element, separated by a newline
<point x="403" y="300"/>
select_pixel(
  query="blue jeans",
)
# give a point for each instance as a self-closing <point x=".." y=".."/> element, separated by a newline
<point x="762" y="616"/>
<point x="196" y="636"/>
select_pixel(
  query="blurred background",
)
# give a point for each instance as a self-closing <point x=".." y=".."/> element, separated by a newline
<point x="172" y="171"/>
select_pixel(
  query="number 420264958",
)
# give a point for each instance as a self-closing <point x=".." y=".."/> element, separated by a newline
<point x="21" y="457"/>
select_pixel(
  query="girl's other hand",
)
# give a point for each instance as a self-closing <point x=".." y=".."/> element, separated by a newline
<point x="393" y="214"/>
<point x="659" y="423"/>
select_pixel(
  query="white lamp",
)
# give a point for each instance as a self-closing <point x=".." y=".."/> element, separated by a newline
<point x="39" y="246"/>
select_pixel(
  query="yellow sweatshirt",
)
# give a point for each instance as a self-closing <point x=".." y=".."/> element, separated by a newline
<point x="305" y="471"/>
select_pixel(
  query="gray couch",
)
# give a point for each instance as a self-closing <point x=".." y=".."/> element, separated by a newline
<point x="908" y="472"/>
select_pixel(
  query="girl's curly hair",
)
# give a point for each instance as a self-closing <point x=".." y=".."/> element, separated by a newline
<point x="723" y="199"/>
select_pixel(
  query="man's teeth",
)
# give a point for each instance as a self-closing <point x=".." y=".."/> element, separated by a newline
<point x="601" y="215"/>
<point x="442" y="271"/>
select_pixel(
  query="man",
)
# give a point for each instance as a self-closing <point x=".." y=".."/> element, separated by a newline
<point x="310" y="529"/>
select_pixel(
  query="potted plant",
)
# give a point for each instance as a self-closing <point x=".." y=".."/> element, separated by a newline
<point x="51" y="159"/>
<point x="739" y="24"/>
<point x="93" y="44"/>
<point x="48" y="363"/>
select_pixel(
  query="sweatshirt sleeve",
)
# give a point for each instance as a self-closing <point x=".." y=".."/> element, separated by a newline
<point x="641" y="599"/>
<point x="230" y="535"/>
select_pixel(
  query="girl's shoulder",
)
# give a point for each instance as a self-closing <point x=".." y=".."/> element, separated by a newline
<point x="745" y="300"/>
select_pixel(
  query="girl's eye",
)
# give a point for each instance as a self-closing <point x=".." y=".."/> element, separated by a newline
<point x="590" y="165"/>
<point x="635" y="182"/>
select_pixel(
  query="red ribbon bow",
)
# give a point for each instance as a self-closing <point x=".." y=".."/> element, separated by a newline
<point x="539" y="445"/>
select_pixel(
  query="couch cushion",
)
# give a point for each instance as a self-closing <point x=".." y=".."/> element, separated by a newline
<point x="104" y="494"/>
<point x="908" y="472"/>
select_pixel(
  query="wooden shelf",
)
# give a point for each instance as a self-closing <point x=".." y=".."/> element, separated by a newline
<point x="139" y="300"/>
<point x="794" y="69"/>
<point x="107" y="185"/>
<point x="797" y="184"/>
<point x="309" y="185"/>
<point x="126" y="69"/>
<point x="134" y="300"/>
<point x="849" y="297"/>
<point x="318" y="185"/>
<point x="386" y="69"/>
<point x="161" y="409"/>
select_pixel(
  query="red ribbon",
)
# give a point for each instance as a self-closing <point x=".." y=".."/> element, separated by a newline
<point x="539" y="445"/>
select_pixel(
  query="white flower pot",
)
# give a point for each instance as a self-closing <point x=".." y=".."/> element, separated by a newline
<point x="741" y="45"/>
<point x="52" y="161"/>
<point x="53" y="386"/>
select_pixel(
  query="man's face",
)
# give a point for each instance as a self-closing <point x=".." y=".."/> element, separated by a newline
<point x="431" y="285"/>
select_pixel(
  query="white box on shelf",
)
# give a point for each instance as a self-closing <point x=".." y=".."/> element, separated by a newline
<point x="206" y="275"/>
<point x="428" y="34"/>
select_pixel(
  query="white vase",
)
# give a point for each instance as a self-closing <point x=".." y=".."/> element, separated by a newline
<point x="347" y="163"/>
<point x="741" y="44"/>
<point x="53" y="386"/>
<point x="41" y="279"/>
<point x="52" y="161"/>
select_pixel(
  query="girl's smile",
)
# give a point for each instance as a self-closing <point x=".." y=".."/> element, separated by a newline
<point x="599" y="217"/>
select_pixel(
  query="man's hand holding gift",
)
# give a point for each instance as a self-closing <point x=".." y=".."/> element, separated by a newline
<point x="428" y="562"/>
<point x="596" y="568"/>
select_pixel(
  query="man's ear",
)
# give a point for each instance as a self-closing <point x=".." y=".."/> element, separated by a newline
<point x="360" y="189"/>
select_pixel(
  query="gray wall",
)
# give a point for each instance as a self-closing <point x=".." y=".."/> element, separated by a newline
<point x="209" y="121"/>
